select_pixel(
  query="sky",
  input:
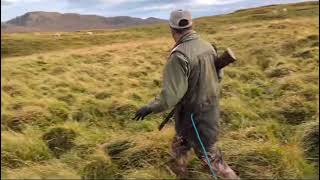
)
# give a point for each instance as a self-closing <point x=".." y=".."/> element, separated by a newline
<point x="135" y="8"/>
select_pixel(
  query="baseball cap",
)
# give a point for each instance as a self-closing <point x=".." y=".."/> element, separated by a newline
<point x="178" y="15"/>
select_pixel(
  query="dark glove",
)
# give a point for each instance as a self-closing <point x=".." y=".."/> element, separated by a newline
<point x="142" y="112"/>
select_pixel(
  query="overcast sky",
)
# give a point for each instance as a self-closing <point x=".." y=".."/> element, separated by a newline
<point x="136" y="8"/>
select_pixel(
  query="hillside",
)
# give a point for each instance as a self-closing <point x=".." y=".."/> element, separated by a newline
<point x="67" y="102"/>
<point x="40" y="21"/>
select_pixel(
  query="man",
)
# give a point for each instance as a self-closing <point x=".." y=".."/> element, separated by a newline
<point x="191" y="86"/>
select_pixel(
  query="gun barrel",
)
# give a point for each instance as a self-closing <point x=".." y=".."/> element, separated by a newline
<point x="166" y="119"/>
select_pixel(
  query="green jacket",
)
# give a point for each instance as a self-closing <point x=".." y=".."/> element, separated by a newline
<point x="176" y="76"/>
<point x="190" y="84"/>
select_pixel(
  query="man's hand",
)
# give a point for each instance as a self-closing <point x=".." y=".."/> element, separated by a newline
<point x="142" y="112"/>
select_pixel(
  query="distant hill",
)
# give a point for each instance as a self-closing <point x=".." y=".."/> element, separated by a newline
<point x="54" y="21"/>
<point x="67" y="101"/>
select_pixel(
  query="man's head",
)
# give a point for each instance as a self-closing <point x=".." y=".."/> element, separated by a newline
<point x="180" y="22"/>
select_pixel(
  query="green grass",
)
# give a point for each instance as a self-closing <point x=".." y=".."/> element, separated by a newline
<point x="67" y="104"/>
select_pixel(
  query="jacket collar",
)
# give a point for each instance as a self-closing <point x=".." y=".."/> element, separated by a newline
<point x="187" y="37"/>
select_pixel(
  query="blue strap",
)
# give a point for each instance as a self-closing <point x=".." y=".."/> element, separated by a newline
<point x="203" y="148"/>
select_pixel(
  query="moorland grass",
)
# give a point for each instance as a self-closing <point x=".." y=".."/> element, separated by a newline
<point x="88" y="88"/>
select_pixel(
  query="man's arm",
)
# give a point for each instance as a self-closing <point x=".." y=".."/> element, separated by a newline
<point x="175" y="83"/>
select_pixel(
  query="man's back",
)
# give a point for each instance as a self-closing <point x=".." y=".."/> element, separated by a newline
<point x="203" y="85"/>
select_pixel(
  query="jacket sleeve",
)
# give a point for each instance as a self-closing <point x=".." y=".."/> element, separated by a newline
<point x="175" y="83"/>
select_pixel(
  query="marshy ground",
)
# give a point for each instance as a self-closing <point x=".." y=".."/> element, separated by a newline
<point x="67" y="102"/>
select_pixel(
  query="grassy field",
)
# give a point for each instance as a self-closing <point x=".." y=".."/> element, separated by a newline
<point x="67" y="102"/>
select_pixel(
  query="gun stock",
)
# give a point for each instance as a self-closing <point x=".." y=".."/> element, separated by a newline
<point x="225" y="59"/>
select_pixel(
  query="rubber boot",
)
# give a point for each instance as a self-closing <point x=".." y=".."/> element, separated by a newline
<point x="179" y="168"/>
<point x="220" y="167"/>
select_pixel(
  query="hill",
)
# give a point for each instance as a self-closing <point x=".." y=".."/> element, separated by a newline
<point x="67" y="102"/>
<point x="52" y="21"/>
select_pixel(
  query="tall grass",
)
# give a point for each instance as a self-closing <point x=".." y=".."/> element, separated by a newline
<point x="82" y="92"/>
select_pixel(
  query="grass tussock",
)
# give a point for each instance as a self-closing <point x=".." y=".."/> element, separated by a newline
<point x="59" y="140"/>
<point x="67" y="104"/>
<point x="20" y="149"/>
<point x="310" y="141"/>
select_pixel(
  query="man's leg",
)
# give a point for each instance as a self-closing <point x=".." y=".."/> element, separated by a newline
<point x="180" y="153"/>
<point x="220" y="167"/>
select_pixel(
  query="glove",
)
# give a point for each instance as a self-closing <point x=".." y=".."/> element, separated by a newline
<point x="142" y="112"/>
